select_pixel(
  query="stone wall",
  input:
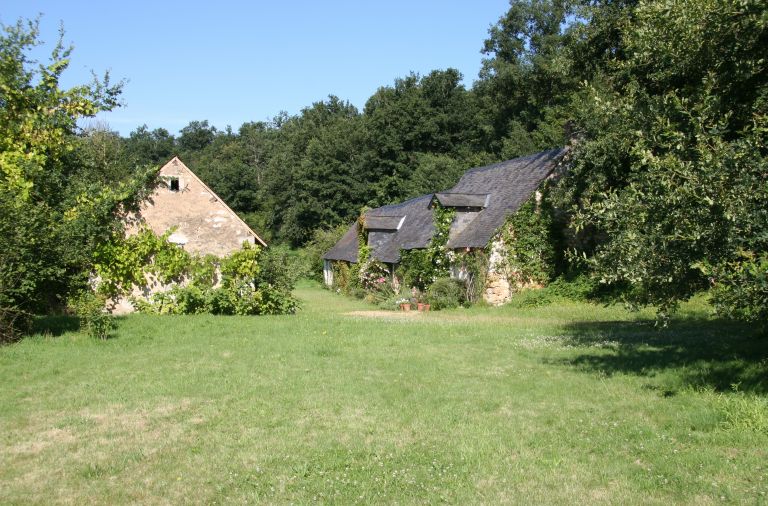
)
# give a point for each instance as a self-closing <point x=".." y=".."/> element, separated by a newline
<point x="503" y="280"/>
<point x="204" y="224"/>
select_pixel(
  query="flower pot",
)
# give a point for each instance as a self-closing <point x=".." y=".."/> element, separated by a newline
<point x="426" y="308"/>
<point x="420" y="306"/>
<point x="405" y="307"/>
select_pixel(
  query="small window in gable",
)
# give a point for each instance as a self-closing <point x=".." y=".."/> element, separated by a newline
<point x="173" y="184"/>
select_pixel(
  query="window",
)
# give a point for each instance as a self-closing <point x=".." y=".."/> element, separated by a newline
<point x="173" y="184"/>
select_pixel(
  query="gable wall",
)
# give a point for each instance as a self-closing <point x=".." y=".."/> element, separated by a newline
<point x="202" y="221"/>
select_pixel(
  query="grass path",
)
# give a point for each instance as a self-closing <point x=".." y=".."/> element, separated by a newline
<point x="569" y="403"/>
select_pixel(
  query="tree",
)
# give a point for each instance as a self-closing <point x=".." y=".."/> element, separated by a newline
<point x="433" y="114"/>
<point x="144" y="147"/>
<point x="196" y="136"/>
<point x="672" y="173"/>
<point x="54" y="208"/>
<point x="314" y="178"/>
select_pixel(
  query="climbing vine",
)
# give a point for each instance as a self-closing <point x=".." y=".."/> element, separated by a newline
<point x="125" y="262"/>
<point x="473" y="269"/>
<point x="421" y="267"/>
<point x="249" y="281"/>
<point x="528" y="253"/>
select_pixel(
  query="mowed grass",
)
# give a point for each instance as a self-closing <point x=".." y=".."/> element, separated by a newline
<point x="568" y="403"/>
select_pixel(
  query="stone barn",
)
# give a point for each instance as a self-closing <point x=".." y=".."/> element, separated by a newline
<point x="203" y="223"/>
<point x="482" y="201"/>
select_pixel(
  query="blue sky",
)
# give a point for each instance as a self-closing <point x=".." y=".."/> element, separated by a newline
<point x="232" y="62"/>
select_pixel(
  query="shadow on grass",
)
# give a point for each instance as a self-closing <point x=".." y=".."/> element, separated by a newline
<point x="717" y="354"/>
<point x="55" y="325"/>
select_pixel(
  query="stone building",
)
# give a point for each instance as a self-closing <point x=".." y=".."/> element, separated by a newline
<point x="483" y="199"/>
<point x="202" y="223"/>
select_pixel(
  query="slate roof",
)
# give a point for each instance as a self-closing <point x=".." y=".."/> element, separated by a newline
<point x="503" y="186"/>
<point x="415" y="232"/>
<point x="509" y="184"/>
<point x="346" y="248"/>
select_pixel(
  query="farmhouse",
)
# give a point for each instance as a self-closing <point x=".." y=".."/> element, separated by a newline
<point x="481" y="202"/>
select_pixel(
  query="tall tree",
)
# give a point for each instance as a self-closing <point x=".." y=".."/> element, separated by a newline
<point x="54" y="208"/>
<point x="433" y="114"/>
<point x="672" y="171"/>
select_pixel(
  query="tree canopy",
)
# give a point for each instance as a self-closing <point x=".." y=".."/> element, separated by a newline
<point x="57" y="201"/>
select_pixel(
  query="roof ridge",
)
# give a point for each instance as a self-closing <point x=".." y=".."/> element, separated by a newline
<point x="528" y="158"/>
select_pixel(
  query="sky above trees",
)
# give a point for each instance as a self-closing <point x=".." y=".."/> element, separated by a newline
<point x="234" y="62"/>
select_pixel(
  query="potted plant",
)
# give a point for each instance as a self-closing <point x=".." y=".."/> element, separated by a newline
<point x="404" y="304"/>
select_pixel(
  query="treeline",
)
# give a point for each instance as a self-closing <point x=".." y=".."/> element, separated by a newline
<point x="317" y="169"/>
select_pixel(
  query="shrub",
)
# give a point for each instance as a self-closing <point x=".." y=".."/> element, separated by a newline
<point x="13" y="322"/>
<point x="253" y="281"/>
<point x="580" y="288"/>
<point x="445" y="293"/>
<point x="531" y="298"/>
<point x="93" y="316"/>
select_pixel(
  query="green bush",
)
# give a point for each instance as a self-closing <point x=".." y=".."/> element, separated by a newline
<point x="532" y="298"/>
<point x="91" y="310"/>
<point x="13" y="323"/>
<point x="580" y="288"/>
<point x="323" y="239"/>
<point x="445" y="293"/>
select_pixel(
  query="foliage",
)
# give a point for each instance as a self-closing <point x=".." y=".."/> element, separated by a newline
<point x="90" y="310"/>
<point x="530" y="298"/>
<point x="741" y="287"/>
<point x="123" y="263"/>
<point x="580" y="288"/>
<point x="13" y="323"/>
<point x="421" y="267"/>
<point x="54" y="206"/>
<point x="672" y="171"/>
<point x="445" y="293"/>
<point x="323" y="239"/>
<point x="528" y="243"/>
<point x="249" y="281"/>
<point x="342" y="276"/>
<point x="471" y="267"/>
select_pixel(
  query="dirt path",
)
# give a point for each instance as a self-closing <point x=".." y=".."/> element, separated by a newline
<point x="385" y="314"/>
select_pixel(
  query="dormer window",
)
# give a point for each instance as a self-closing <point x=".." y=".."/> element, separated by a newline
<point x="173" y="184"/>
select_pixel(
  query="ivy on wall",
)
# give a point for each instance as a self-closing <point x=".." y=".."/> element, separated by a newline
<point x="421" y="267"/>
<point x="249" y="281"/>
<point x="473" y="269"/>
<point x="529" y="243"/>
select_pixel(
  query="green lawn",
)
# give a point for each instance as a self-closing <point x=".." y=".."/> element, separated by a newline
<point x="569" y="403"/>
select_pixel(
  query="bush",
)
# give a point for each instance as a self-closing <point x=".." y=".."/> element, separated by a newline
<point x="580" y="288"/>
<point x="252" y="280"/>
<point x="91" y="311"/>
<point x="531" y="298"/>
<point x="13" y="323"/>
<point x="445" y="293"/>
